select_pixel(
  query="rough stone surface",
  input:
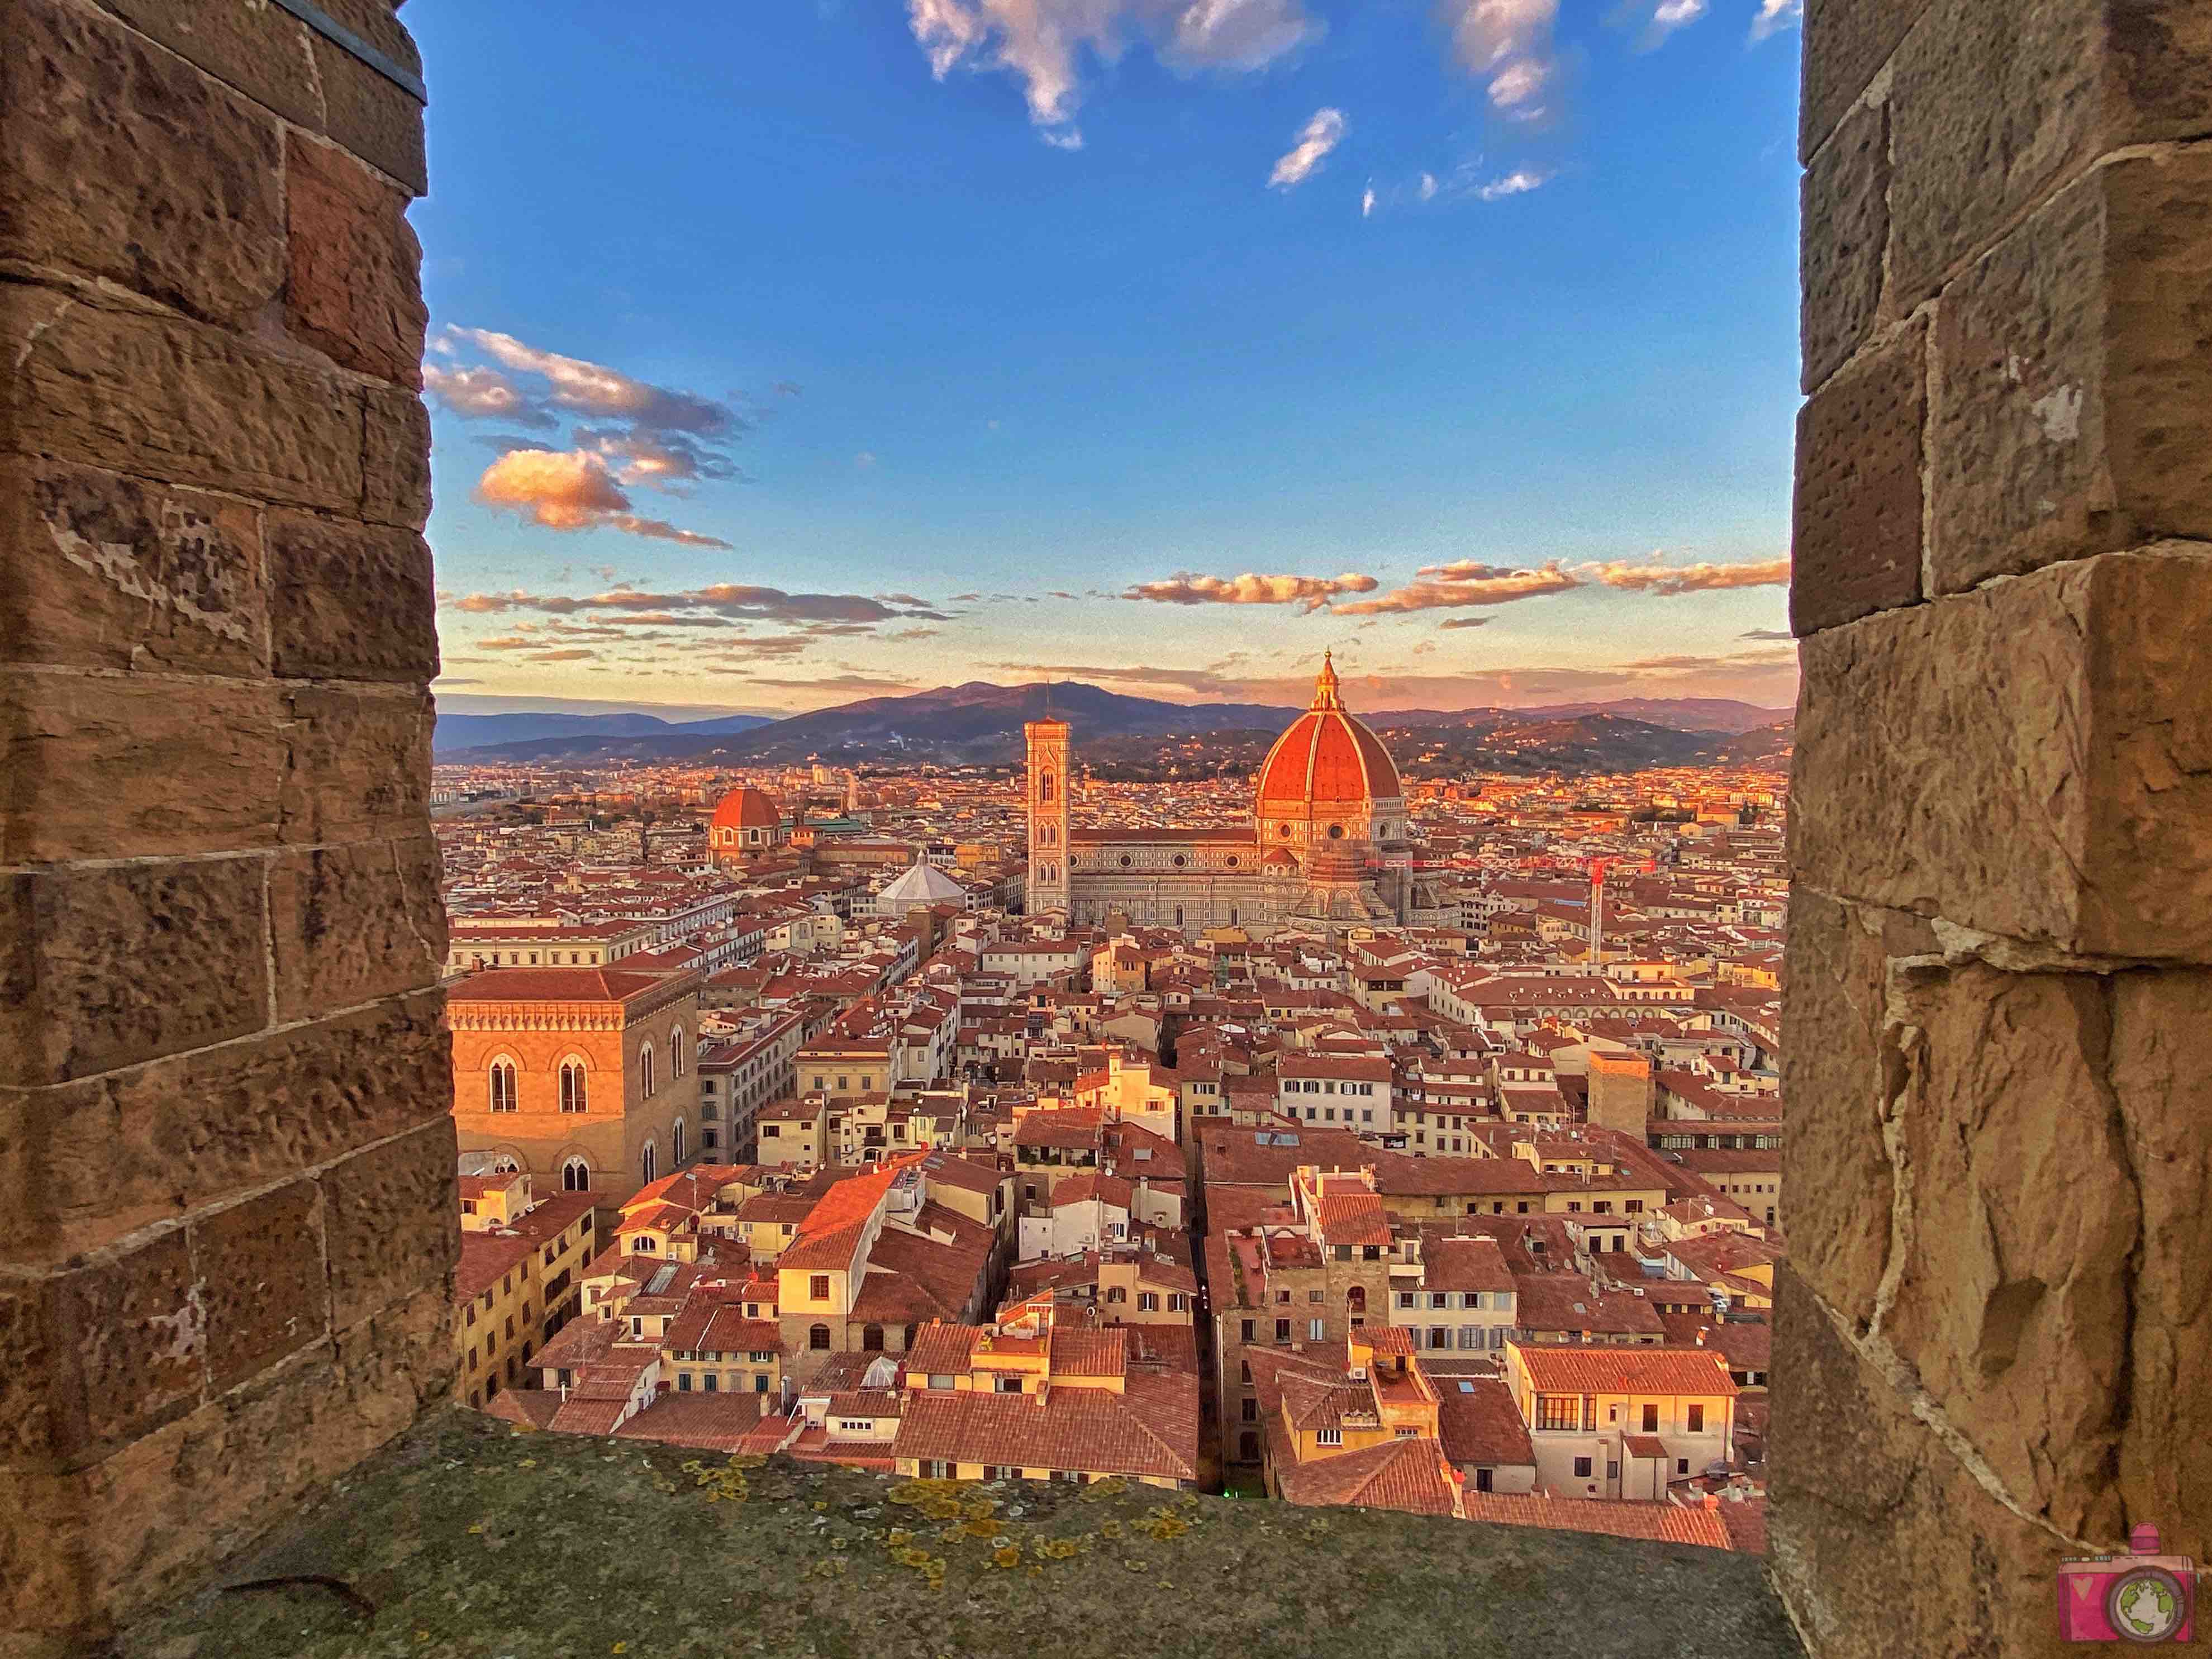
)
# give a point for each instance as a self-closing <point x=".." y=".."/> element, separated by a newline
<point x="1845" y="218"/>
<point x="1881" y="1541"/>
<point x="1835" y="1168"/>
<point x="260" y="49"/>
<point x="359" y="766"/>
<point x="2164" y="1087"/>
<point x="396" y="468"/>
<point x="102" y="571"/>
<point x="2033" y="760"/>
<point x="106" y="966"/>
<point x="350" y="923"/>
<point x="2055" y="84"/>
<point x="1855" y="545"/>
<point x="351" y="291"/>
<point x="159" y="398"/>
<point x="266" y="1292"/>
<point x="2013" y="1304"/>
<point x="125" y="164"/>
<point x="124" y="766"/>
<point x="130" y="1337"/>
<point x="378" y="121"/>
<point x="391" y="1216"/>
<point x="1846" y="41"/>
<point x="2074" y="414"/>
<point x="432" y="1533"/>
<point x="349" y="601"/>
<point x="85" y="1162"/>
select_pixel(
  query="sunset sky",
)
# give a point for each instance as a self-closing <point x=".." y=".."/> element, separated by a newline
<point x="787" y="353"/>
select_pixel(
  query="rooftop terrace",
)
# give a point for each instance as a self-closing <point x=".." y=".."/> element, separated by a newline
<point x="465" y="1540"/>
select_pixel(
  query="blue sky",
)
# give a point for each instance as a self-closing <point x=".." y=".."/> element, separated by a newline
<point x="761" y="275"/>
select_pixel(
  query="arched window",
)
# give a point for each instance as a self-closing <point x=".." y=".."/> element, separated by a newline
<point x="1178" y="920"/>
<point x="644" y="1244"/>
<point x="504" y="1164"/>
<point x="1355" y="1299"/>
<point x="678" y="1163"/>
<point x="1044" y="786"/>
<point x="575" y="1176"/>
<point x="872" y="1339"/>
<point x="907" y="1339"/>
<point x="647" y="1163"/>
<point x="1046" y="835"/>
<point x="576" y="1094"/>
<point x="818" y="1339"/>
<point x="502" y="1085"/>
<point x="679" y="1052"/>
<point x="646" y="1081"/>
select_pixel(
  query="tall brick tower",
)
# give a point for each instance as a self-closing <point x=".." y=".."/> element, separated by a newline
<point x="1048" y="805"/>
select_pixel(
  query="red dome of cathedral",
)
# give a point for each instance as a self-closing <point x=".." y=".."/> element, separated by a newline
<point x="1327" y="764"/>
<point x="746" y="808"/>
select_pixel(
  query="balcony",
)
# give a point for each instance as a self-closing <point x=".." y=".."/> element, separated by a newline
<point x="464" y="1539"/>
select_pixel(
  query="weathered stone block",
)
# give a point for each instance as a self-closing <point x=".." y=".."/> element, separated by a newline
<point x="1835" y="1167"/>
<point x="2161" y="1075"/>
<point x="2055" y="84"/>
<point x="1846" y="42"/>
<point x="392" y="1216"/>
<point x="348" y="601"/>
<point x="83" y="1164"/>
<point x="1855" y="543"/>
<point x="107" y="966"/>
<point x="127" y="1342"/>
<point x="353" y="290"/>
<point x="2013" y="1302"/>
<point x="265" y="1289"/>
<point x="161" y="398"/>
<point x="2033" y="759"/>
<point x="120" y="767"/>
<point x="126" y="164"/>
<point x="262" y="50"/>
<point x="396" y="468"/>
<point x="351" y="923"/>
<point x="377" y="120"/>
<point x="104" y="571"/>
<point x="399" y="1362"/>
<point x="1879" y="1539"/>
<point x="2073" y="414"/>
<point x="1845" y="236"/>
<point x="360" y="764"/>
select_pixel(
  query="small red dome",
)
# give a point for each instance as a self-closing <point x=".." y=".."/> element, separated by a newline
<point x="1327" y="762"/>
<point x="747" y="809"/>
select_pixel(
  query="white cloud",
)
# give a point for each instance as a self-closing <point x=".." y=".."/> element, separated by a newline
<point x="1319" y="135"/>
<point x="1672" y="14"/>
<point x="1309" y="592"/>
<point x="1428" y="187"/>
<point x="1506" y="43"/>
<point x="1042" y="42"/>
<point x="1513" y="183"/>
<point x="1774" y="15"/>
<point x="1367" y="202"/>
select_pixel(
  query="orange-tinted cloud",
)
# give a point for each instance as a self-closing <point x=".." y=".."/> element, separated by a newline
<point x="571" y="490"/>
<point x="1466" y="583"/>
<point x="1311" y="592"/>
<point x="1691" y="577"/>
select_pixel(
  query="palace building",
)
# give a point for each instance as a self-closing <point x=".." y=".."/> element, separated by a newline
<point x="1327" y="847"/>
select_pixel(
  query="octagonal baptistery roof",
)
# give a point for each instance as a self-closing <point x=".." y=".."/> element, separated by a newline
<point x="1328" y="763"/>
<point x="747" y="809"/>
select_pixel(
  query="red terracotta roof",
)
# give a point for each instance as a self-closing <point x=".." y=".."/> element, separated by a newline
<point x="1625" y="1369"/>
<point x="1669" y="1524"/>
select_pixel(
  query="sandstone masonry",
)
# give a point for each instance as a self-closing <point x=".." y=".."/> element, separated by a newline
<point x="224" y="1141"/>
<point x="1993" y="1347"/>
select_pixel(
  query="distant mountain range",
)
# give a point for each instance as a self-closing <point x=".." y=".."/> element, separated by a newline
<point x="980" y="724"/>
<point x="459" y="731"/>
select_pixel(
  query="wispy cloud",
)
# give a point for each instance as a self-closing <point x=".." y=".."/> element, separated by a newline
<point x="1309" y="592"/>
<point x="1451" y="622"/>
<point x="1507" y="44"/>
<point x="1367" y="202"/>
<point x="1513" y="183"/>
<point x="1466" y="584"/>
<point x="568" y="490"/>
<point x="734" y="601"/>
<point x="1767" y="634"/>
<point x="484" y="394"/>
<point x="1690" y="578"/>
<point x="1667" y="16"/>
<point x="1775" y="14"/>
<point x="1041" y="43"/>
<point x="1322" y="132"/>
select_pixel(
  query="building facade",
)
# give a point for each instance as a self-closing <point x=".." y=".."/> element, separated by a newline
<point x="1326" y="847"/>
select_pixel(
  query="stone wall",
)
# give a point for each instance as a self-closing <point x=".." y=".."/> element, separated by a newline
<point x="226" y="1160"/>
<point x="1993" y="1348"/>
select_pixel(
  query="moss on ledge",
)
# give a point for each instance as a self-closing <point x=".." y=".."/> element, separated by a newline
<point x="471" y="1542"/>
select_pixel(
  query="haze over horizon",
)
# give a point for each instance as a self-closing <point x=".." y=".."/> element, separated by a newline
<point x="860" y="349"/>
